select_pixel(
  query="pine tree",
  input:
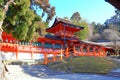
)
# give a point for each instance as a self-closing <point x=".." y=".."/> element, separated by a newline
<point x="77" y="20"/>
<point x="19" y="17"/>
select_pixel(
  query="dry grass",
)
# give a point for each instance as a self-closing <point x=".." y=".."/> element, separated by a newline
<point x="85" y="65"/>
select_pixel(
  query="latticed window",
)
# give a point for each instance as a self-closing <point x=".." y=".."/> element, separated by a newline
<point x="34" y="44"/>
<point x="77" y="48"/>
<point x="96" y="50"/>
<point x="58" y="46"/>
<point x="37" y="44"/>
<point x="21" y="43"/>
<point x="48" y="45"/>
<point x="91" y="49"/>
<point x="84" y="50"/>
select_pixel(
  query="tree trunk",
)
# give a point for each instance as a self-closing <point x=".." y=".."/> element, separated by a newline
<point x="6" y="6"/>
<point x="1" y="30"/>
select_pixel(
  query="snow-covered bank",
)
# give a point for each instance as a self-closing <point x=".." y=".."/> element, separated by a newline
<point x="114" y="73"/>
<point x="25" y="72"/>
<point x="81" y="77"/>
<point x="41" y="72"/>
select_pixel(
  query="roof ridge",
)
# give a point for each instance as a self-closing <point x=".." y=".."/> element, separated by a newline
<point x="63" y="20"/>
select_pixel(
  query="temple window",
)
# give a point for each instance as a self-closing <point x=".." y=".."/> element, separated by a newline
<point x="21" y="43"/>
<point x="25" y="43"/>
<point x="48" y="45"/>
<point x="77" y="48"/>
<point x="84" y="50"/>
<point x="34" y="44"/>
<point x="58" y="46"/>
<point x="37" y="44"/>
<point x="91" y="50"/>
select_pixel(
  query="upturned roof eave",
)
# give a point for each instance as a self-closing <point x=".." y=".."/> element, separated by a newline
<point x="70" y="24"/>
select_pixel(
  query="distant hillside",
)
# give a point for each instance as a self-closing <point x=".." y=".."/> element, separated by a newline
<point x="114" y="21"/>
<point x="110" y="30"/>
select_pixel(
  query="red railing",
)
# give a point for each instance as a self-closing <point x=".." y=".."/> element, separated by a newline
<point x="16" y="49"/>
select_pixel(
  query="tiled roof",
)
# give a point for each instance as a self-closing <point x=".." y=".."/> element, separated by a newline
<point x="65" y="22"/>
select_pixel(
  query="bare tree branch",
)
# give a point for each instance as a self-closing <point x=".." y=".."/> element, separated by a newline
<point x="6" y="6"/>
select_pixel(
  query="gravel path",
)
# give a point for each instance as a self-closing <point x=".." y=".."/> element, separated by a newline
<point x="35" y="72"/>
<point x="17" y="73"/>
<point x="41" y="72"/>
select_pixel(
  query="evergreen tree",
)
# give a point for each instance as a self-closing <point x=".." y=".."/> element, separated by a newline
<point x="83" y="34"/>
<point x="76" y="19"/>
<point x="19" y="17"/>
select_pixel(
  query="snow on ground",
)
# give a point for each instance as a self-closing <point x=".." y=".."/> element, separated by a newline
<point x="82" y="77"/>
<point x="116" y="70"/>
<point x="41" y="72"/>
<point x="114" y="73"/>
<point x="35" y="72"/>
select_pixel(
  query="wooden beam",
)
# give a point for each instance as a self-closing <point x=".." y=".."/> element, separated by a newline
<point x="61" y="55"/>
<point x="67" y="53"/>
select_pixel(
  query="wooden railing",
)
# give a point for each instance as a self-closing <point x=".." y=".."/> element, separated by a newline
<point x="59" y="52"/>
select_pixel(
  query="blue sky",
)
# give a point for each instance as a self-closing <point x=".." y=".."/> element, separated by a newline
<point x="90" y="10"/>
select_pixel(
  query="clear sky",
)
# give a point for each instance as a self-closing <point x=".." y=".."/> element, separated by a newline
<point x="90" y="10"/>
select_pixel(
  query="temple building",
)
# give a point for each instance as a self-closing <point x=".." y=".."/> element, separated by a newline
<point x="60" y="44"/>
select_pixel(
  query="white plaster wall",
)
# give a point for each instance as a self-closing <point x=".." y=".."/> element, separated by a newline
<point x="24" y="55"/>
<point x="8" y="55"/>
<point x="38" y="56"/>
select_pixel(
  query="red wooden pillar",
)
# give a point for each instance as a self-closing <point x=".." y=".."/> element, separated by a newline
<point x="88" y="50"/>
<point x="32" y="54"/>
<point x="94" y="51"/>
<point x="81" y="50"/>
<point x="54" y="54"/>
<point x="42" y="46"/>
<point x="31" y="51"/>
<point x="0" y="50"/>
<point x="17" y="51"/>
<point x="99" y="51"/>
<point x="17" y="55"/>
<point x="54" y="57"/>
<point x="74" y="50"/>
<point x="0" y="46"/>
<point x="102" y="53"/>
<point x="67" y="53"/>
<point x="45" y="58"/>
<point x="61" y="58"/>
